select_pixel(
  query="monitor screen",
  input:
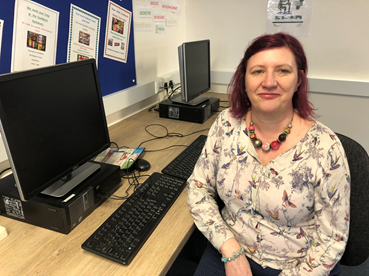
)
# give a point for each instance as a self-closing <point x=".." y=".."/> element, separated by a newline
<point x="194" y="69"/>
<point x="52" y="122"/>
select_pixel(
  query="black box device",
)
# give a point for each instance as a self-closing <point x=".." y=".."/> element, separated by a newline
<point x="60" y="214"/>
<point x="197" y="114"/>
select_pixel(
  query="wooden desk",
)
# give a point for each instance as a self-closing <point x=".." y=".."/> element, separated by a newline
<point x="31" y="250"/>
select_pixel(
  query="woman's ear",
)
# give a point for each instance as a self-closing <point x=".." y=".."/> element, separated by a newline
<point x="301" y="73"/>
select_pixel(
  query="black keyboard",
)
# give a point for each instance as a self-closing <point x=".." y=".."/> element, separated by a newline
<point x="183" y="165"/>
<point x="122" y="235"/>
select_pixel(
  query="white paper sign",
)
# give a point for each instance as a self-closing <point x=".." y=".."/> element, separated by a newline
<point x="160" y="29"/>
<point x="143" y="26"/>
<point x="141" y="2"/>
<point x="118" y="27"/>
<point x="292" y="17"/>
<point x="154" y="3"/>
<point x="159" y="17"/>
<point x="1" y="34"/>
<point x="145" y="12"/>
<point x="170" y="6"/>
<point x="172" y="21"/>
<point x="35" y="36"/>
<point x="84" y="34"/>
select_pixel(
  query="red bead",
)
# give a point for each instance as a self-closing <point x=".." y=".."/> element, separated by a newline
<point x="274" y="145"/>
<point x="251" y="128"/>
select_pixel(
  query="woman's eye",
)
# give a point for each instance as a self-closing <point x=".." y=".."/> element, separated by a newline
<point x="257" y="72"/>
<point x="284" y="71"/>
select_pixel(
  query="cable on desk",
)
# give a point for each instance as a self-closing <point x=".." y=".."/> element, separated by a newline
<point x="130" y="176"/>
<point x="168" y="134"/>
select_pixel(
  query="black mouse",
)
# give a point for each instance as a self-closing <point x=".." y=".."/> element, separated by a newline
<point x="142" y="165"/>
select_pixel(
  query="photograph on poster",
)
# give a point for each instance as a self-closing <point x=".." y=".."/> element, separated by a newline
<point x="36" y="41"/>
<point x="117" y="25"/>
<point x="84" y="38"/>
<point x="81" y="57"/>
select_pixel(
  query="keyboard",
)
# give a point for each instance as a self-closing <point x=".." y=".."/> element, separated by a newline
<point x="183" y="165"/>
<point x="122" y="235"/>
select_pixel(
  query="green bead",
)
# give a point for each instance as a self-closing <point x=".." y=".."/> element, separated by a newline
<point x="257" y="143"/>
<point x="224" y="260"/>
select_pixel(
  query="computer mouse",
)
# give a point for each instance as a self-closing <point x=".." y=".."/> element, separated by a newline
<point x="142" y="165"/>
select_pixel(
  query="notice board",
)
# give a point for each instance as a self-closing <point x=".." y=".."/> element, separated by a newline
<point x="114" y="75"/>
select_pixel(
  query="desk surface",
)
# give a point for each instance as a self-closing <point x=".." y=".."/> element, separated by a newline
<point x="31" y="250"/>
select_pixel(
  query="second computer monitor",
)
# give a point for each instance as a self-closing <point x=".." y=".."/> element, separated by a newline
<point x="194" y="69"/>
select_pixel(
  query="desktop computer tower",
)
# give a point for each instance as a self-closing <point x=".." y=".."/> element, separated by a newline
<point x="60" y="214"/>
<point x="196" y="114"/>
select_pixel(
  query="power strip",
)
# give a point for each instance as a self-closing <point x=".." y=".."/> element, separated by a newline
<point x="3" y="233"/>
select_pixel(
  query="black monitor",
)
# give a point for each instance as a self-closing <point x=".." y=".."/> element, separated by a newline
<point x="194" y="70"/>
<point x="52" y="123"/>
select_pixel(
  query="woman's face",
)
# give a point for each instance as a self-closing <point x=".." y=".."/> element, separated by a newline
<point x="271" y="80"/>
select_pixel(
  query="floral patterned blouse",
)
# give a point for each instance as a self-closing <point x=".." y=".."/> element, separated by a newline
<point x="291" y="214"/>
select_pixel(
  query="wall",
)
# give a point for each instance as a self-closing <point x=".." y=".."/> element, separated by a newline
<point x="336" y="48"/>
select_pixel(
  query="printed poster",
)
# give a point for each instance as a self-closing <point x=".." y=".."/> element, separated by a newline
<point x="289" y="16"/>
<point x="118" y="26"/>
<point x="1" y="33"/>
<point x="84" y="35"/>
<point x="35" y="36"/>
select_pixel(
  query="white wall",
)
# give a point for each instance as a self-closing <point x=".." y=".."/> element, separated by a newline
<point x="337" y="45"/>
<point x="336" y="48"/>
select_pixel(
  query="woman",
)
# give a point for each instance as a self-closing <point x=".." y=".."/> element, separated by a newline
<point x="283" y="177"/>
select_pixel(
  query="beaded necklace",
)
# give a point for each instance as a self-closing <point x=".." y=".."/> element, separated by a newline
<point x="266" y="146"/>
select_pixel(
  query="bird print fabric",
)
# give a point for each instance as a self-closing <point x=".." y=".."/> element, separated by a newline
<point x="291" y="214"/>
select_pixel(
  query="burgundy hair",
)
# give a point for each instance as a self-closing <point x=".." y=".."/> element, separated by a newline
<point x="240" y="103"/>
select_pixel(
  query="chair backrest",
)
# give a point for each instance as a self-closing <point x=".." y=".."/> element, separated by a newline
<point x="357" y="249"/>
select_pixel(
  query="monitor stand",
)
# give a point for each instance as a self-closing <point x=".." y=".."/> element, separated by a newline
<point x="196" y="101"/>
<point x="69" y="182"/>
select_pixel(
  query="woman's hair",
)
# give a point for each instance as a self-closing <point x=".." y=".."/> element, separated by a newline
<point x="240" y="103"/>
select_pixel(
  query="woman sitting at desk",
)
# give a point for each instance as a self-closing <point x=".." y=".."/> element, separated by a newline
<point x="283" y="177"/>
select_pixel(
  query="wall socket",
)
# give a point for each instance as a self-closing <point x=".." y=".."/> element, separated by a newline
<point x="159" y="84"/>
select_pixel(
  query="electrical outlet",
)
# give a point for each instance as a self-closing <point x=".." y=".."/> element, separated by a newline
<point x="159" y="84"/>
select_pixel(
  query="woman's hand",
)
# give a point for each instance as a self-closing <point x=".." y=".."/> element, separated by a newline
<point x="238" y="266"/>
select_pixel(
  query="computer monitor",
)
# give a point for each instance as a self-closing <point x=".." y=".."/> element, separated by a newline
<point x="52" y="123"/>
<point x="194" y="70"/>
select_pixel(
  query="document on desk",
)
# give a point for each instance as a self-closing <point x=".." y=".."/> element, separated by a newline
<point x="124" y="158"/>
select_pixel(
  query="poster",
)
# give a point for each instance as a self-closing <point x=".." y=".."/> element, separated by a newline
<point x="289" y="16"/>
<point x="35" y="36"/>
<point x="118" y="26"/>
<point x="1" y="33"/>
<point x="84" y="34"/>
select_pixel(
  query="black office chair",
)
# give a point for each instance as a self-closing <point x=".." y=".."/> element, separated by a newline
<point x="357" y="249"/>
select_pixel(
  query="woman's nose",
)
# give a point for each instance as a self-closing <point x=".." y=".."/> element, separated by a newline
<point x="269" y="80"/>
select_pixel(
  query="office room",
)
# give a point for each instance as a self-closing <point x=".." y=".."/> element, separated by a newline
<point x="336" y="49"/>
